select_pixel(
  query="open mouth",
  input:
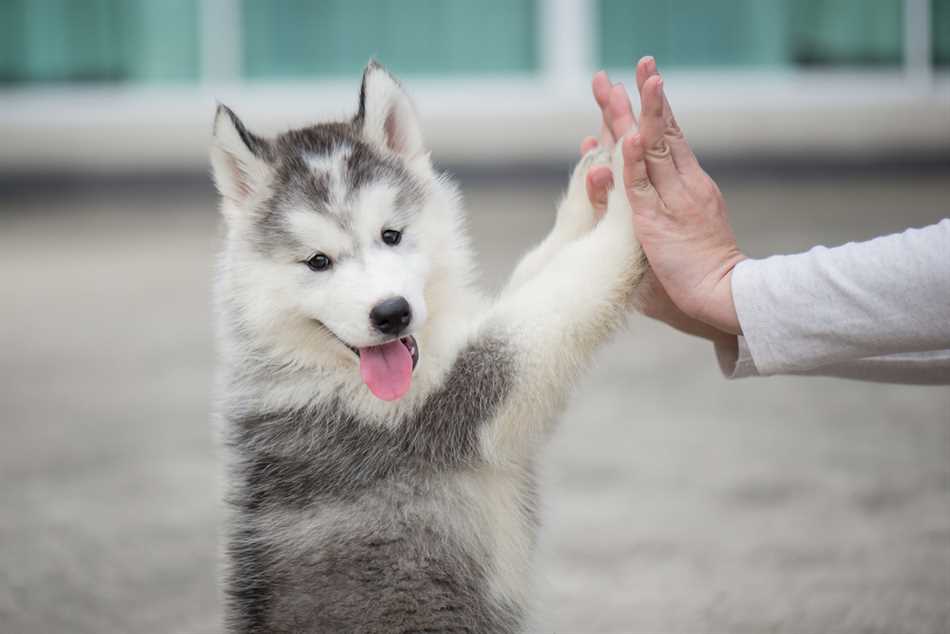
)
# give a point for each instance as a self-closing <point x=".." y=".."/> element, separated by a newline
<point x="409" y="342"/>
<point x="387" y="369"/>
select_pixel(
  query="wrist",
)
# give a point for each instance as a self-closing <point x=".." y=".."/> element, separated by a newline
<point x="719" y="311"/>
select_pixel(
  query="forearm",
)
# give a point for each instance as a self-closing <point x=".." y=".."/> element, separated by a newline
<point x="829" y="307"/>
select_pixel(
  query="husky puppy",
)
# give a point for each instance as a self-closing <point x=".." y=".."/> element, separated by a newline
<point x="381" y="417"/>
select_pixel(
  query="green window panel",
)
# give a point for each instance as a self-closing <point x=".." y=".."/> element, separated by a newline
<point x="940" y="16"/>
<point x="693" y="32"/>
<point x="848" y="32"/>
<point x="751" y="33"/>
<point x="98" y="40"/>
<point x="301" y="38"/>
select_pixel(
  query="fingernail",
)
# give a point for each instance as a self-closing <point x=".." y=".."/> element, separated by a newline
<point x="659" y="86"/>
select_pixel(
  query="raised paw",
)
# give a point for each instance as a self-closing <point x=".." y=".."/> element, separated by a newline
<point x="597" y="156"/>
<point x="577" y="215"/>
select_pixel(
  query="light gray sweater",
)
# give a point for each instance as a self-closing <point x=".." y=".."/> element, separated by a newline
<point x="876" y="311"/>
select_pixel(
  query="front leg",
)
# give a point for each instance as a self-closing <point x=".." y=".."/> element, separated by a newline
<point x="556" y="320"/>
<point x="575" y="217"/>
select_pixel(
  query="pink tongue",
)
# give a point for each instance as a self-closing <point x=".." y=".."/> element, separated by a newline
<point x="387" y="370"/>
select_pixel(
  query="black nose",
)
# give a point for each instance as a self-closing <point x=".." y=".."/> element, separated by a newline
<point x="391" y="316"/>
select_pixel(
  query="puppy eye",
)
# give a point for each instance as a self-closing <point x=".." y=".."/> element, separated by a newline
<point x="392" y="237"/>
<point x="319" y="262"/>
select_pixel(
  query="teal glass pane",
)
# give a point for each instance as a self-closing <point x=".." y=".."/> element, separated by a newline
<point x="98" y="40"/>
<point x="12" y="43"/>
<point x="940" y="17"/>
<point x="693" y="32"/>
<point x="847" y="32"/>
<point x="163" y="39"/>
<point x="751" y="33"/>
<point x="301" y="38"/>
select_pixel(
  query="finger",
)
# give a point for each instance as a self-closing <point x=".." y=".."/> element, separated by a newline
<point x="622" y="120"/>
<point x="659" y="159"/>
<point x="588" y="144"/>
<point x="599" y="181"/>
<point x="646" y="67"/>
<point x="642" y="196"/>
<point x="601" y="86"/>
<point x="606" y="137"/>
<point x="683" y="156"/>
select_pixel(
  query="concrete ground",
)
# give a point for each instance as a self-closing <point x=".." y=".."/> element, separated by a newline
<point x="675" y="501"/>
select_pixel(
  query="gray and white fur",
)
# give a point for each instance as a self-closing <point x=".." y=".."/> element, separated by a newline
<point x="349" y="513"/>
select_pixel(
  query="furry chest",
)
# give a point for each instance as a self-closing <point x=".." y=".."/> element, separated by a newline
<point x="456" y="555"/>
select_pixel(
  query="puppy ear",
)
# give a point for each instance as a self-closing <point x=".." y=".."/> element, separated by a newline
<point x="386" y="114"/>
<point x="238" y="158"/>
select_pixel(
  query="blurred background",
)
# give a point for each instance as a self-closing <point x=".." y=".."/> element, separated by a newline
<point x="675" y="501"/>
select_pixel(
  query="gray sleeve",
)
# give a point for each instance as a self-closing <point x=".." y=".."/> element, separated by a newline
<point x="930" y="367"/>
<point x="830" y="308"/>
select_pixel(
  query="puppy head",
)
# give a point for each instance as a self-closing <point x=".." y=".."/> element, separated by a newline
<point x="333" y="231"/>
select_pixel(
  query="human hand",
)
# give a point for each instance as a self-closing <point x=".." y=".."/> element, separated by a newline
<point x="618" y="116"/>
<point x="652" y="299"/>
<point x="680" y="215"/>
<point x="600" y="177"/>
<point x="619" y="120"/>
